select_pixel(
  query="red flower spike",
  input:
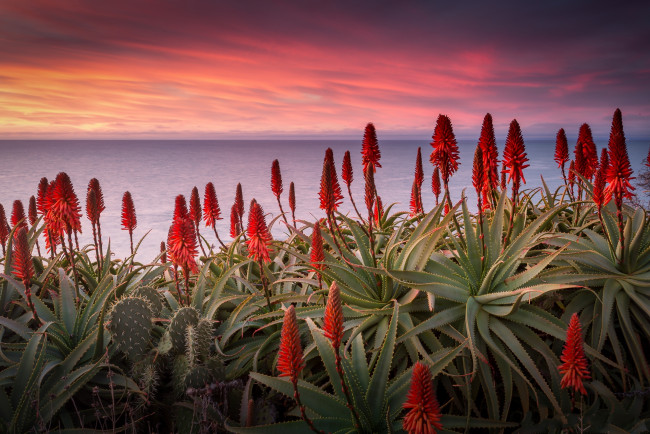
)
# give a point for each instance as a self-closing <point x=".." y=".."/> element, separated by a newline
<point x="330" y="191"/>
<point x="163" y="251"/>
<point x="514" y="156"/>
<point x="346" y="171"/>
<point x="419" y="171"/>
<point x="63" y="207"/>
<point x="619" y="172"/>
<point x="41" y="196"/>
<point x="445" y="149"/>
<point x="239" y="201"/>
<point x="234" y="222"/>
<point x="32" y="211"/>
<point x="4" y="226"/>
<point x="211" y="210"/>
<point x="370" y="190"/>
<point x="180" y="208"/>
<point x="276" y="179"/>
<point x="129" y="221"/>
<point x="18" y="215"/>
<point x="195" y="213"/>
<point x="490" y="153"/>
<point x="370" y="153"/>
<point x="379" y="210"/>
<point x="586" y="156"/>
<point x="424" y="415"/>
<point x="22" y="260"/>
<point x="182" y="246"/>
<point x="333" y="321"/>
<point x="561" y="148"/>
<point x="435" y="183"/>
<point x="574" y="369"/>
<point x="92" y="206"/>
<point x="599" y="182"/>
<point x="572" y="174"/>
<point x="414" y="204"/>
<point x="317" y="253"/>
<point x="290" y="354"/>
<point x="94" y="185"/>
<point x="292" y="198"/>
<point x="258" y="233"/>
<point x="478" y="175"/>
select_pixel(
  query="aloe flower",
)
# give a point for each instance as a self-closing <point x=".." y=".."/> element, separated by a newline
<point x="599" y="182"/>
<point x="41" y="195"/>
<point x="435" y="184"/>
<point x="423" y="415"/>
<point x="292" y="202"/>
<point x="416" y="190"/>
<point x="317" y="254"/>
<point x="586" y="156"/>
<point x="182" y="249"/>
<point x="572" y="176"/>
<point x="330" y="191"/>
<point x="478" y="174"/>
<point x="4" y="229"/>
<point x="129" y="220"/>
<point x="22" y="265"/>
<point x="379" y="210"/>
<point x="63" y="204"/>
<point x="514" y="157"/>
<point x="290" y="354"/>
<point x="18" y="218"/>
<point x="180" y="208"/>
<point x="163" y="252"/>
<point x="490" y="153"/>
<point x="32" y="211"/>
<point x="561" y="150"/>
<point x="348" y="176"/>
<point x="259" y="236"/>
<point x="276" y="185"/>
<point x="211" y="210"/>
<point x="333" y="320"/>
<point x="234" y="222"/>
<point x="414" y="204"/>
<point x="239" y="204"/>
<point x="574" y="368"/>
<point x="99" y="195"/>
<point x="370" y="153"/>
<point x="445" y="150"/>
<point x="195" y="214"/>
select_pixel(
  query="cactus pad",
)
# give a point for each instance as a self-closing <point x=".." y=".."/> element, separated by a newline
<point x="130" y="325"/>
<point x="152" y="296"/>
<point x="184" y="317"/>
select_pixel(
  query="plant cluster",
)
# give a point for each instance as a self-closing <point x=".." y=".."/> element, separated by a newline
<point x="528" y="315"/>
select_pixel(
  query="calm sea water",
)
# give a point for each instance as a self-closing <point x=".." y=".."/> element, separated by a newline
<point x="156" y="171"/>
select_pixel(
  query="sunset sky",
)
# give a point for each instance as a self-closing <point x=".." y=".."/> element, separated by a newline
<point x="210" y="69"/>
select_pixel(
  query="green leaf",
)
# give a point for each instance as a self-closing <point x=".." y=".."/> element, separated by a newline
<point x="376" y="395"/>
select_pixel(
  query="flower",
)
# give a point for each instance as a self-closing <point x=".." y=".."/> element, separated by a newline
<point x="41" y="195"/>
<point x="561" y="149"/>
<point x="619" y="171"/>
<point x="4" y="226"/>
<point x="258" y="233"/>
<point x="180" y="208"/>
<point x="234" y="222"/>
<point x="32" y="210"/>
<point x="647" y="161"/>
<point x="330" y="191"/>
<point x="94" y="185"/>
<point x="599" y="182"/>
<point x="572" y="174"/>
<point x="346" y="171"/>
<point x="22" y="260"/>
<point x="379" y="210"/>
<point x="370" y="192"/>
<point x="317" y="253"/>
<point x="586" y="156"/>
<point x="182" y="246"/>
<point x="333" y="321"/>
<point x="490" y="153"/>
<point x="370" y="153"/>
<point x="290" y="354"/>
<point x="445" y="149"/>
<point x="415" y="203"/>
<point x="424" y="411"/>
<point x="211" y="210"/>
<point x="63" y="207"/>
<point x="574" y="369"/>
<point x="416" y="190"/>
<point x="276" y="179"/>
<point x="292" y="198"/>
<point x="435" y="183"/>
<point x="419" y="172"/>
<point x="92" y="206"/>
<point x="18" y="215"/>
<point x="478" y="175"/>
<point x="163" y="252"/>
<point x="129" y="221"/>
<point x="195" y="213"/>
<point x="514" y="156"/>
<point x="239" y="202"/>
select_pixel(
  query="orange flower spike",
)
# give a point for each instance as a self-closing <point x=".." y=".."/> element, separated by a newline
<point x="333" y="321"/>
<point x="129" y="220"/>
<point x="490" y="153"/>
<point x="290" y="354"/>
<point x="574" y="367"/>
<point x="514" y="156"/>
<point x="561" y="149"/>
<point x="329" y="199"/>
<point x="424" y="415"/>
<point x="445" y="149"/>
<point x="182" y="245"/>
<point x="317" y="253"/>
<point x="195" y="212"/>
<point x="586" y="156"/>
<point x="63" y="204"/>
<point x="41" y="195"/>
<point x="619" y="173"/>
<point x="370" y="191"/>
<point x="435" y="183"/>
<point x="370" y="153"/>
<point x="276" y="179"/>
<point x="346" y="171"/>
<point x="414" y="204"/>
<point x="599" y="182"/>
<point x="211" y="210"/>
<point x="18" y="215"/>
<point x="258" y="233"/>
<point x="22" y="264"/>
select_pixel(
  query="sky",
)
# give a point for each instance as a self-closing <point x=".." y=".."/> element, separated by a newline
<point x="211" y="69"/>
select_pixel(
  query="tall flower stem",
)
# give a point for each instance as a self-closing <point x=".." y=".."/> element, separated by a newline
<point x="70" y="254"/>
<point x="265" y="287"/>
<point x="178" y="287"/>
<point x="99" y="239"/>
<point x="354" y="204"/>
<point x="621" y="228"/>
<point x="216" y="234"/>
<point x="512" y="214"/>
<point x="186" y="274"/>
<point x="456" y="223"/>
<point x="99" y="264"/>
<point x="284" y="217"/>
<point x="303" y="414"/>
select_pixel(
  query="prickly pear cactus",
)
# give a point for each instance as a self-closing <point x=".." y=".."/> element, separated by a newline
<point x="198" y="376"/>
<point x="130" y="325"/>
<point x="152" y="296"/>
<point x="179" y="371"/>
<point x="184" y="317"/>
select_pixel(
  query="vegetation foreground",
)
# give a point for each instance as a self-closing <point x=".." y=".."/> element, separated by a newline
<point x="530" y="315"/>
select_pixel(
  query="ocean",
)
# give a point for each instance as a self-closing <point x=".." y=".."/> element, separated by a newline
<point x="156" y="171"/>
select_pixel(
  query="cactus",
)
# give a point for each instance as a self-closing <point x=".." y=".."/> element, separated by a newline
<point x="152" y="296"/>
<point x="184" y="317"/>
<point x="130" y="325"/>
